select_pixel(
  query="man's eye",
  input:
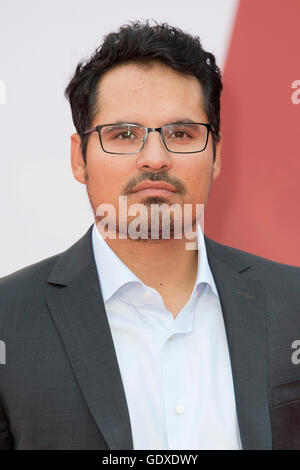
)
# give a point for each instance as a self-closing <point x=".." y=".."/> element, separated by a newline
<point x="178" y="135"/>
<point x="125" y="135"/>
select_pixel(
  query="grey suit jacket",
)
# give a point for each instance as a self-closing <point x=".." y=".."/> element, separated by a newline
<point x="60" y="385"/>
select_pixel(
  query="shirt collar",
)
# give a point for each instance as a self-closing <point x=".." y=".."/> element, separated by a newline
<point x="113" y="273"/>
<point x="204" y="274"/>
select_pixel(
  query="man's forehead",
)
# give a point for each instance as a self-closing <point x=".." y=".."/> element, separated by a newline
<point x="122" y="93"/>
<point x="134" y="78"/>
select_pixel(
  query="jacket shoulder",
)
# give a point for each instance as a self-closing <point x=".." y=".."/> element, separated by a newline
<point x="30" y="277"/>
<point x="235" y="255"/>
<point x="280" y="281"/>
<point x="31" y="281"/>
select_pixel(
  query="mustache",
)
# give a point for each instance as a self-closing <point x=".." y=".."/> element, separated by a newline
<point x="153" y="176"/>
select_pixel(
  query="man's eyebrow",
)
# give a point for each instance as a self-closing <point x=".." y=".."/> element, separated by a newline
<point x="185" y="121"/>
<point x="177" y="121"/>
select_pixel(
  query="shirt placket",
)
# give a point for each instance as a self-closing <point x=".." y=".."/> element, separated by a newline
<point x="175" y="378"/>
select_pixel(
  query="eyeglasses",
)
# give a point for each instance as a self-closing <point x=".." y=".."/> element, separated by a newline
<point x="179" y="137"/>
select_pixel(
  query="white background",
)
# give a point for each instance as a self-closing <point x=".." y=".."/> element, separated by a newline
<point x="43" y="208"/>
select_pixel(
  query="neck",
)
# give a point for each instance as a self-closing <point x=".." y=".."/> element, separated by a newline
<point x="165" y="265"/>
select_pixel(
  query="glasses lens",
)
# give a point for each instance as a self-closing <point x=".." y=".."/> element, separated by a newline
<point x="122" y="138"/>
<point x="184" y="137"/>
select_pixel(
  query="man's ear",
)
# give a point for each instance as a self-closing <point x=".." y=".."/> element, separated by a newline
<point x="217" y="162"/>
<point x="77" y="160"/>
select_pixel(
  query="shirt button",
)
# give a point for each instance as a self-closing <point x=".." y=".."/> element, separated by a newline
<point x="147" y="295"/>
<point x="179" y="409"/>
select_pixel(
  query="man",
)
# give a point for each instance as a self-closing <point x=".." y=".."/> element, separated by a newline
<point x="139" y="343"/>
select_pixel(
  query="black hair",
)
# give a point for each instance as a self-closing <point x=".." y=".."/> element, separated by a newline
<point x="144" y="44"/>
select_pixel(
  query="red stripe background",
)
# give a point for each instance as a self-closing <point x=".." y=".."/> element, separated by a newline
<point x="254" y="204"/>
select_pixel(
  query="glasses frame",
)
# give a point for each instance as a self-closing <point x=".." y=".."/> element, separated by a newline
<point x="148" y="130"/>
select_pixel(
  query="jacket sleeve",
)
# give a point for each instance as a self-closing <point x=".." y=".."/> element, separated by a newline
<point x="5" y="436"/>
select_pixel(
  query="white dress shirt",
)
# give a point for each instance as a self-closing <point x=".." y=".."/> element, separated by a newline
<point x="176" y="373"/>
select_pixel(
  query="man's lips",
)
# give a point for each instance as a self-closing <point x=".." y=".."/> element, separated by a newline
<point x="154" y="188"/>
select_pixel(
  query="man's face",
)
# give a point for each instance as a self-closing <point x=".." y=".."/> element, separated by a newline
<point x="152" y="97"/>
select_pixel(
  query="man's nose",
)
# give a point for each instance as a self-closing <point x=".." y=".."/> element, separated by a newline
<point x="154" y="155"/>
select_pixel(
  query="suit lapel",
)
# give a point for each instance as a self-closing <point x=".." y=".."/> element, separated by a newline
<point x="77" y="308"/>
<point x="243" y="307"/>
